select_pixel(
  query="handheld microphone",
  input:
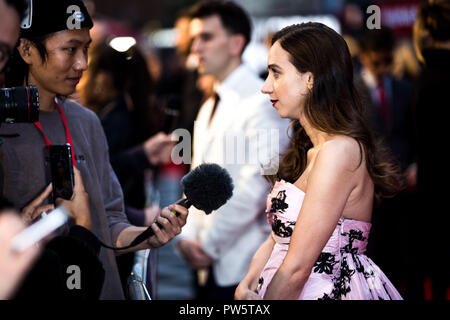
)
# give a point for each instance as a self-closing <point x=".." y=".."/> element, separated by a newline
<point x="207" y="187"/>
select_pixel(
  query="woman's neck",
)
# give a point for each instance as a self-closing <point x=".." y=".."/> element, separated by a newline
<point x="317" y="137"/>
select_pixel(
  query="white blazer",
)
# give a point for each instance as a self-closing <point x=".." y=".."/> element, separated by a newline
<point x="244" y="135"/>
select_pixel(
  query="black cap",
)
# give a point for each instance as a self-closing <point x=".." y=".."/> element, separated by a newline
<point x="49" y="16"/>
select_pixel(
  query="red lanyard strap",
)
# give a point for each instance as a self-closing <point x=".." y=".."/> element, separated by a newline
<point x="66" y="129"/>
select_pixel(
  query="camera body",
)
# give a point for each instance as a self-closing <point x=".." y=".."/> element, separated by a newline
<point x="19" y="104"/>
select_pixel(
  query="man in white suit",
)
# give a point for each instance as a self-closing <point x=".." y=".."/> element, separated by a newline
<point x="238" y="129"/>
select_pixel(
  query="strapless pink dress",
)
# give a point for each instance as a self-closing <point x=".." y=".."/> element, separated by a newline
<point x="342" y="271"/>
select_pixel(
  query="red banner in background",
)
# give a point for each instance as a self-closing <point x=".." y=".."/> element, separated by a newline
<point x="400" y="15"/>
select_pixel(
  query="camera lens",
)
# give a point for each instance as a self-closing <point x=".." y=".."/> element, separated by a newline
<point x="19" y="104"/>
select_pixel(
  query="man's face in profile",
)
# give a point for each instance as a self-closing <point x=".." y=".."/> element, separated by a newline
<point x="9" y="31"/>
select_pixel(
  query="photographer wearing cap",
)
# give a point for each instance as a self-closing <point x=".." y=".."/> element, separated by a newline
<point x="43" y="267"/>
<point x="52" y="55"/>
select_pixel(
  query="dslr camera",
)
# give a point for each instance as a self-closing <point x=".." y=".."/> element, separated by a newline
<point x="19" y="104"/>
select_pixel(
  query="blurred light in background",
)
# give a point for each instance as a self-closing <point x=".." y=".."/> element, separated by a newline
<point x="122" y="44"/>
<point x="163" y="38"/>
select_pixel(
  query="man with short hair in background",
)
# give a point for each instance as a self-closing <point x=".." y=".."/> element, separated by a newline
<point x="222" y="244"/>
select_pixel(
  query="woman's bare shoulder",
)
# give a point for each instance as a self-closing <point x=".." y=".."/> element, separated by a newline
<point x="343" y="151"/>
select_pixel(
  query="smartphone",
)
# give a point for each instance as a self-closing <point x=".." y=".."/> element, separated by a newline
<point x="39" y="230"/>
<point x="62" y="171"/>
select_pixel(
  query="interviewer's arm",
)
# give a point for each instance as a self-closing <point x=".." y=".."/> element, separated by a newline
<point x="171" y="226"/>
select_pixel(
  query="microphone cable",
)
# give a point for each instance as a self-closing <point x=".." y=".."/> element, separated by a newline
<point x="147" y="233"/>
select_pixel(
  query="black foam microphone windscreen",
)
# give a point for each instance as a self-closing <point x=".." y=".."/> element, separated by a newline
<point x="207" y="187"/>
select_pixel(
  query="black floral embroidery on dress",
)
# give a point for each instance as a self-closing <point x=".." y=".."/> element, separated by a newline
<point x="325" y="263"/>
<point x="359" y="265"/>
<point x="279" y="202"/>
<point x="281" y="229"/>
<point x="368" y="274"/>
<point x="355" y="235"/>
<point x="326" y="297"/>
<point x="387" y="291"/>
<point x="341" y="283"/>
<point x="352" y="236"/>
<point x="260" y="284"/>
<point x="343" y="275"/>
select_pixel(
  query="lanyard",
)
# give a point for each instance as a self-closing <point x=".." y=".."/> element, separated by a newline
<point x="66" y="128"/>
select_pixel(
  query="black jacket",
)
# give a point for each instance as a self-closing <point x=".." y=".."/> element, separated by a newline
<point x="50" y="278"/>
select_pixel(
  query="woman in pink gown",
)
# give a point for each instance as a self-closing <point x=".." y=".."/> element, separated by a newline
<point x="320" y="206"/>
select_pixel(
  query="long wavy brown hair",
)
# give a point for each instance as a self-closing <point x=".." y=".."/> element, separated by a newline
<point x="333" y="105"/>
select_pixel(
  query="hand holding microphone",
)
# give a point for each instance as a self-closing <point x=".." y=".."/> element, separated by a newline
<point x="207" y="188"/>
<point x="167" y="225"/>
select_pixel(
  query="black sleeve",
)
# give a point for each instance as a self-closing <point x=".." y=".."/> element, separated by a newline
<point x="84" y="235"/>
<point x="135" y="216"/>
<point x="44" y="281"/>
<point x="78" y="253"/>
<point x="65" y="260"/>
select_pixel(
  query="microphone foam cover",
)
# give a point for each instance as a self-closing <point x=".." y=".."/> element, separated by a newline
<point x="208" y="187"/>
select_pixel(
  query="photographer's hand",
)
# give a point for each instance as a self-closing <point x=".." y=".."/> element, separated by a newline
<point x="78" y="205"/>
<point x="34" y="210"/>
<point x="13" y="265"/>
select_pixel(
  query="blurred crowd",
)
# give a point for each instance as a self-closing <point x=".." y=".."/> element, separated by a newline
<point x="142" y="93"/>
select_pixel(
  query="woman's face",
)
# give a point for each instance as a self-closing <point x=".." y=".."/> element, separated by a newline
<point x="66" y="61"/>
<point x="287" y="87"/>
